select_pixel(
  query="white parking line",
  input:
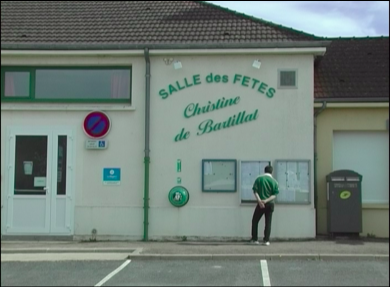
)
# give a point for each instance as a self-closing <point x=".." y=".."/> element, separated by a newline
<point x="264" y="272"/>
<point x="113" y="273"/>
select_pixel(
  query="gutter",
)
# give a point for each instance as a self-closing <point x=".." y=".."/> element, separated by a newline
<point x="353" y="100"/>
<point x="316" y="51"/>
<point x="354" y="105"/>
<point x="159" y="46"/>
<point x="316" y="114"/>
<point x="147" y="144"/>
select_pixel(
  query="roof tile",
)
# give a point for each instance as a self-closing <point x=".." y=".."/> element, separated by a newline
<point x="84" y="22"/>
<point x="354" y="68"/>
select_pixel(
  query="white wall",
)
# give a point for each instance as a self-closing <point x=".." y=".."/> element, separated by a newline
<point x="112" y="210"/>
<point x="283" y="130"/>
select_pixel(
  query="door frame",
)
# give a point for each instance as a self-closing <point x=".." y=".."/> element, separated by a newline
<point x="52" y="132"/>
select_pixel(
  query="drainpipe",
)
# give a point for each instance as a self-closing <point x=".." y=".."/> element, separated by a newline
<point x="147" y="142"/>
<point x="316" y="114"/>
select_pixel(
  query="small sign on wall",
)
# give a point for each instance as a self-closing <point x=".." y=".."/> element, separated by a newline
<point x="96" y="144"/>
<point x="111" y="176"/>
<point x="39" y="181"/>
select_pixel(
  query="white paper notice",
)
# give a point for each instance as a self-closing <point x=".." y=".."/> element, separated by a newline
<point x="39" y="181"/>
<point x="281" y="175"/>
<point x="304" y="176"/>
<point x="249" y="172"/>
<point x="208" y="168"/>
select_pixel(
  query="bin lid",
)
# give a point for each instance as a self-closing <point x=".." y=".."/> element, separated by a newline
<point x="344" y="175"/>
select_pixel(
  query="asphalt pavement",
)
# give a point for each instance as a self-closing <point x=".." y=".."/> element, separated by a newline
<point x="196" y="273"/>
<point x="285" y="263"/>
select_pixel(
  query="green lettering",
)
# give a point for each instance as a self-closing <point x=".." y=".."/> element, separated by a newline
<point x="245" y="81"/>
<point x="251" y="117"/>
<point x="190" y="108"/>
<point x="217" y="104"/>
<point x="271" y="92"/>
<point x="236" y="100"/>
<point x="179" y="87"/>
<point x="182" y="135"/>
<point x="187" y="84"/>
<point x="217" y="127"/>
<point x="163" y="94"/>
<point x="205" y="127"/>
<point x="209" y="78"/>
<point x="233" y="120"/>
<point x="196" y="79"/>
<point x="237" y="77"/>
<point x="198" y="110"/>
<point x="256" y="115"/>
<point x="222" y="102"/>
<point x="262" y="87"/>
<point x="208" y="108"/>
<point x="241" y="120"/>
<point x="172" y="89"/>
<point x="255" y="82"/>
<point x="217" y="78"/>
<point x="225" y="79"/>
<point x="229" y="102"/>
<point x="226" y="124"/>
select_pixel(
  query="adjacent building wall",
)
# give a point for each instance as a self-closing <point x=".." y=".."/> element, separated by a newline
<point x="375" y="216"/>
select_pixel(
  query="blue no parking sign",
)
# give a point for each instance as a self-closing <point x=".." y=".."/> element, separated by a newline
<point x="96" y="124"/>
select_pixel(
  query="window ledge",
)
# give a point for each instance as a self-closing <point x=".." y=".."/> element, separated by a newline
<point x="66" y="107"/>
<point x="375" y="206"/>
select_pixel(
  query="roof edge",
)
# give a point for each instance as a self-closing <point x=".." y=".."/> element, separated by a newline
<point x="122" y="46"/>
<point x="356" y="38"/>
<point x="246" y="16"/>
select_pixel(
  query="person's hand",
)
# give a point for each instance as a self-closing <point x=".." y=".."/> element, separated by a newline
<point x="261" y="204"/>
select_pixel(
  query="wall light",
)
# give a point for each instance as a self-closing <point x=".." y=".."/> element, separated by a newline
<point x="177" y="65"/>
<point x="256" y="64"/>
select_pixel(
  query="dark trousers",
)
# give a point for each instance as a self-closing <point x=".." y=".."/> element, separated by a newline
<point x="267" y="211"/>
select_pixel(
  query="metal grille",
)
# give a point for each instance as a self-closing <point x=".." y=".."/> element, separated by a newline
<point x="287" y="78"/>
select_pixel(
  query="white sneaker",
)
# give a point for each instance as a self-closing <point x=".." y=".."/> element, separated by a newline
<point x="266" y="243"/>
<point x="255" y="242"/>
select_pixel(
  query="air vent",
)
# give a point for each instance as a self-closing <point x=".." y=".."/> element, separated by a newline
<point x="288" y="79"/>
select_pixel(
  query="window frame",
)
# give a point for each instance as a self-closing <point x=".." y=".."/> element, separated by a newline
<point x="32" y="70"/>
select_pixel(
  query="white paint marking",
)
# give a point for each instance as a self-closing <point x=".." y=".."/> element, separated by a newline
<point x="113" y="273"/>
<point x="265" y="274"/>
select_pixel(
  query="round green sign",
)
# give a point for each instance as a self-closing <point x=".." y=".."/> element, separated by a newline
<point x="345" y="194"/>
<point x="178" y="196"/>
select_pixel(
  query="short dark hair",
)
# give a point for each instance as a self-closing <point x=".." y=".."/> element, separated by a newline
<point x="268" y="169"/>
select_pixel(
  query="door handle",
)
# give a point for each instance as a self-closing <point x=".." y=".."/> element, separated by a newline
<point x="46" y="189"/>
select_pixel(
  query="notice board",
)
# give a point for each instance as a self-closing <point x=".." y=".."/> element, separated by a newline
<point x="294" y="181"/>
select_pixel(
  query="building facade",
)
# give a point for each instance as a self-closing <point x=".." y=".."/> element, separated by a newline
<point x="181" y="124"/>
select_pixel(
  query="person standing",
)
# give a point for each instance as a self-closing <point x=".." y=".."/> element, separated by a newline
<point x="265" y="189"/>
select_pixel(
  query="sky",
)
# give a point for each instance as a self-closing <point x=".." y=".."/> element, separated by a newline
<point x="321" y="18"/>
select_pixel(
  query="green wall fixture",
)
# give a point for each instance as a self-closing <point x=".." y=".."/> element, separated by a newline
<point x="178" y="196"/>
